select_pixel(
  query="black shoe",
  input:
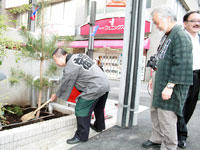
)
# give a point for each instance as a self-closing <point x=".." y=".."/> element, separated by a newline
<point x="182" y="144"/>
<point x="94" y="128"/>
<point x="149" y="144"/>
<point x="74" y="140"/>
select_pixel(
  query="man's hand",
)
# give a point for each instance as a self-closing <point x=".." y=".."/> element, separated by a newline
<point x="166" y="93"/>
<point x="53" y="97"/>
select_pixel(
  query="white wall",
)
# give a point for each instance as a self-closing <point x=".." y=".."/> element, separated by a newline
<point x="18" y="94"/>
<point x="193" y="4"/>
<point x="60" y="18"/>
<point x="81" y="12"/>
<point x="15" y="3"/>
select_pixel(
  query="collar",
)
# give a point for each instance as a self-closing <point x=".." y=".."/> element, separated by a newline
<point x="68" y="57"/>
<point x="197" y="35"/>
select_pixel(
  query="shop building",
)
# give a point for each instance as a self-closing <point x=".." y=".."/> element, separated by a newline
<point x="71" y="17"/>
<point x="108" y="43"/>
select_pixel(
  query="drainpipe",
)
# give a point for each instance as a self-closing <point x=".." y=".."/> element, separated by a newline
<point x="130" y="81"/>
<point x="137" y="57"/>
<point x="56" y="106"/>
<point x="50" y="106"/>
<point x="129" y="66"/>
<point x="33" y="100"/>
<point x="51" y="80"/>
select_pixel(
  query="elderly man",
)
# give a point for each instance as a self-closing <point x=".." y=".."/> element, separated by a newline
<point x="192" y="27"/>
<point x="172" y="80"/>
<point x="80" y="71"/>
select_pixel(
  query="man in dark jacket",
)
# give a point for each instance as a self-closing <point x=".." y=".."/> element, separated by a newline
<point x="172" y="80"/>
<point x="80" y="71"/>
<point x="192" y="27"/>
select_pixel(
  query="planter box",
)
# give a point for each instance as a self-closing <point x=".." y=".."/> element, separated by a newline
<point x="14" y="138"/>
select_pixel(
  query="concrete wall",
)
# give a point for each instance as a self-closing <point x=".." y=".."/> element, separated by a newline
<point x="21" y="93"/>
<point x="193" y="4"/>
<point x="60" y="18"/>
<point x="81" y="7"/>
<point x="15" y="3"/>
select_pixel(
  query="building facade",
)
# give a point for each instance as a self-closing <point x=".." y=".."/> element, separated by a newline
<point x="71" y="18"/>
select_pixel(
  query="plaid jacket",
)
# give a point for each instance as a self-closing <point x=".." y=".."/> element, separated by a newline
<point x="174" y="66"/>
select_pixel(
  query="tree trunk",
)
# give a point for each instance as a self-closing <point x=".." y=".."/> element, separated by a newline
<point x="41" y="87"/>
<point x="41" y="60"/>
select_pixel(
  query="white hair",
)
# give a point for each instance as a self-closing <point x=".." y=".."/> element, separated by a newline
<point x="164" y="12"/>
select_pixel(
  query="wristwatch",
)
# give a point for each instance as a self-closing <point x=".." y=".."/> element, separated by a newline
<point x="170" y="86"/>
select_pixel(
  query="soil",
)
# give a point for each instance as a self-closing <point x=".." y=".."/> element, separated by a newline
<point x="13" y="120"/>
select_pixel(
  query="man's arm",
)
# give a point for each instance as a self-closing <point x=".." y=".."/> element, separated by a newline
<point x="167" y="91"/>
<point x="67" y="83"/>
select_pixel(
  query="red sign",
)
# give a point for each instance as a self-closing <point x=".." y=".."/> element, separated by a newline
<point x="147" y="26"/>
<point x="106" y="26"/>
<point x="116" y="3"/>
<point x="110" y="26"/>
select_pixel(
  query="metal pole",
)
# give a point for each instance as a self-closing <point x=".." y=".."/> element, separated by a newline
<point x="91" y="43"/>
<point x="29" y="15"/>
<point x="91" y="23"/>
<point x="129" y="64"/>
<point x="140" y="36"/>
<point x="32" y="22"/>
<point x="132" y="50"/>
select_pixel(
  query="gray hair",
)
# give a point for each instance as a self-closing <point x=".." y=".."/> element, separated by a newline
<point x="164" y="12"/>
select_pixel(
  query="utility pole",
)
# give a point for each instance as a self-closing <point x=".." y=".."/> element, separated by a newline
<point x="131" y="63"/>
<point x="31" y="23"/>
<point x="29" y="15"/>
<point x="91" y="23"/>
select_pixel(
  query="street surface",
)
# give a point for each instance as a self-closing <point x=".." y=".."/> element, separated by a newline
<point x="117" y="138"/>
<point x="115" y="90"/>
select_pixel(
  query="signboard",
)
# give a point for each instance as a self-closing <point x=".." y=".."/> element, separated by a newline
<point x="110" y="26"/>
<point x="116" y="3"/>
<point x="106" y="26"/>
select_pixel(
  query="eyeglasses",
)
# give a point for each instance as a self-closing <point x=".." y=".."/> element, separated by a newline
<point x="193" y="21"/>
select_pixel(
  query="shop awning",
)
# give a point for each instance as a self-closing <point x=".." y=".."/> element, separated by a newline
<point x="105" y="44"/>
<point x="147" y="44"/>
<point x="98" y="44"/>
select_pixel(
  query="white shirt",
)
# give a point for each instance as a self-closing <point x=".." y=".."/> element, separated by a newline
<point x="195" y="51"/>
